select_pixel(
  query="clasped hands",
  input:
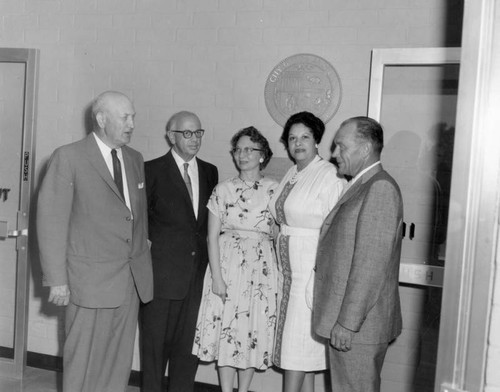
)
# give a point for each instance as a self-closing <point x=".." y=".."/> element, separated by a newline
<point x="59" y="295"/>
<point x="341" y="338"/>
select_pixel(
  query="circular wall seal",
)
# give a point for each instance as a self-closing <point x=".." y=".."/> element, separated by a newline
<point x="303" y="82"/>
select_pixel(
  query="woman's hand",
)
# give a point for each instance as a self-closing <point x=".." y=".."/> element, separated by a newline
<point x="219" y="288"/>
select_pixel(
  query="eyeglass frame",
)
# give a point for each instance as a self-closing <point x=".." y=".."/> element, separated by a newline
<point x="188" y="134"/>
<point x="246" y="150"/>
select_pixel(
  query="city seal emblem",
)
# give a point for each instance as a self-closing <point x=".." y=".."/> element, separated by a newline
<point x="303" y="82"/>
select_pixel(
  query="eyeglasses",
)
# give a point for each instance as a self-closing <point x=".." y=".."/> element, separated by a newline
<point x="187" y="134"/>
<point x="246" y="150"/>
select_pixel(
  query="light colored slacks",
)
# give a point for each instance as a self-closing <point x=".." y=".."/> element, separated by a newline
<point x="357" y="370"/>
<point x="99" y="346"/>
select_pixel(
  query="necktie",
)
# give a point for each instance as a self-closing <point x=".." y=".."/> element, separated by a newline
<point x="187" y="180"/>
<point x="117" y="172"/>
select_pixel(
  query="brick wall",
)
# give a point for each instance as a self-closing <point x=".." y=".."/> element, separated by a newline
<point x="208" y="56"/>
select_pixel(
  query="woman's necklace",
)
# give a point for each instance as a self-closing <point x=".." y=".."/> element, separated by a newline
<point x="295" y="176"/>
<point x="249" y="189"/>
<point x="251" y="183"/>
<point x="298" y="173"/>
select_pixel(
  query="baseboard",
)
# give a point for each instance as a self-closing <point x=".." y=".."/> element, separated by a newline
<point x="44" y="361"/>
<point x="55" y="363"/>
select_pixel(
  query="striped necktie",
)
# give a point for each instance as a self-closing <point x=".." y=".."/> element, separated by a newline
<point x="117" y="172"/>
<point x="187" y="180"/>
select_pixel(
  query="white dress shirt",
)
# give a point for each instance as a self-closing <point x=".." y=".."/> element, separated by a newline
<point x="106" y="154"/>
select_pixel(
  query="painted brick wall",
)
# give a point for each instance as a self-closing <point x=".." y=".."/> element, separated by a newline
<point x="208" y="56"/>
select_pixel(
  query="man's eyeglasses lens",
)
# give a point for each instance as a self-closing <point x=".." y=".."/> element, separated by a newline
<point x="189" y="134"/>
<point x="246" y="150"/>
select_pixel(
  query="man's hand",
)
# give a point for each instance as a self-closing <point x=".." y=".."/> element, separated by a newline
<point x="341" y="338"/>
<point x="59" y="295"/>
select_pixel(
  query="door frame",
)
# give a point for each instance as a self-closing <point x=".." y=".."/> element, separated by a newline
<point x="473" y="213"/>
<point x="463" y="341"/>
<point x="14" y="368"/>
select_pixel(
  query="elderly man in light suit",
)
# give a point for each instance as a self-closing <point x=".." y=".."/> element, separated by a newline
<point x="92" y="233"/>
<point x="356" y="298"/>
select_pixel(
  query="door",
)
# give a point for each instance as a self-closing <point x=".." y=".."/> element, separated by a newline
<point x="413" y="93"/>
<point x="18" y="80"/>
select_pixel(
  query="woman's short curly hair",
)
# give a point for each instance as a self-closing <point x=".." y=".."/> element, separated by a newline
<point x="315" y="124"/>
<point x="256" y="137"/>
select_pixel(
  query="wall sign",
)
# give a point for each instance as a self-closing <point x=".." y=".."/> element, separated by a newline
<point x="26" y="165"/>
<point x="303" y="82"/>
<point x="4" y="194"/>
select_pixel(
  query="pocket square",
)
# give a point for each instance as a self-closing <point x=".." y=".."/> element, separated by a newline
<point x="140" y="185"/>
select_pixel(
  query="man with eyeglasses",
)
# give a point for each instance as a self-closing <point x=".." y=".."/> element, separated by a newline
<point x="178" y="187"/>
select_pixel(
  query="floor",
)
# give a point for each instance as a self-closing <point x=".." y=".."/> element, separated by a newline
<point x="39" y="380"/>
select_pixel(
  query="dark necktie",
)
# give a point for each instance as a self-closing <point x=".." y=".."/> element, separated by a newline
<point x="117" y="172"/>
<point x="187" y="180"/>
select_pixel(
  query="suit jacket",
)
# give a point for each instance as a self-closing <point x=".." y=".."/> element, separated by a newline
<point x="179" y="239"/>
<point x="357" y="263"/>
<point x="88" y="238"/>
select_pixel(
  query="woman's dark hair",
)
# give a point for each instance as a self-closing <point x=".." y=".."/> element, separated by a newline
<point x="256" y="137"/>
<point x="315" y="124"/>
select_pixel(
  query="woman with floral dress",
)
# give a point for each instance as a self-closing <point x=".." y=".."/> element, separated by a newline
<point x="237" y="317"/>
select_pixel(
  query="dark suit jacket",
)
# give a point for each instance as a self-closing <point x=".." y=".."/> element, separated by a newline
<point x="87" y="236"/>
<point x="357" y="263"/>
<point x="179" y="240"/>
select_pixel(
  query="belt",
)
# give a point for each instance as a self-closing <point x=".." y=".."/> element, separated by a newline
<point x="298" y="231"/>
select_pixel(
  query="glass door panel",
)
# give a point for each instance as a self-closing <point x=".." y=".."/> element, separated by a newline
<point x="18" y="73"/>
<point x="11" y="136"/>
<point x="413" y="93"/>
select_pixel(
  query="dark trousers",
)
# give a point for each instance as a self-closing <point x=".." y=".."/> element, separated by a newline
<point x="168" y="329"/>
<point x="357" y="370"/>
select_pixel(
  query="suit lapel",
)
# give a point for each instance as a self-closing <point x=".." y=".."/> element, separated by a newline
<point x="177" y="181"/>
<point x="202" y="186"/>
<point x="343" y="199"/>
<point x="97" y="161"/>
<point x="351" y="191"/>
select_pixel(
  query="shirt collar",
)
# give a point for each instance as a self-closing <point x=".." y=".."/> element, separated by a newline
<point x="360" y="174"/>
<point x="105" y="149"/>
<point x="180" y="162"/>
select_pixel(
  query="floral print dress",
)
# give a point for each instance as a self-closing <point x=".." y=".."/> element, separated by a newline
<point x="240" y="333"/>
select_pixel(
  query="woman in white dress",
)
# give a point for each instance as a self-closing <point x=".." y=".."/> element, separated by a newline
<point x="237" y="317"/>
<point x="305" y="196"/>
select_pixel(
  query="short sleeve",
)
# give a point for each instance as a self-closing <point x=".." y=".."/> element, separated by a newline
<point x="271" y="190"/>
<point x="215" y="203"/>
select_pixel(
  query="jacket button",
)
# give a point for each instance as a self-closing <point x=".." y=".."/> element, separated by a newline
<point x="193" y="253"/>
<point x="128" y="240"/>
<point x="129" y="218"/>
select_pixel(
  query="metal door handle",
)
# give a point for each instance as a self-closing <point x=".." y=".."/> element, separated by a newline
<point x="13" y="234"/>
<point x="412" y="231"/>
<point x="17" y="233"/>
<point x="5" y="233"/>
